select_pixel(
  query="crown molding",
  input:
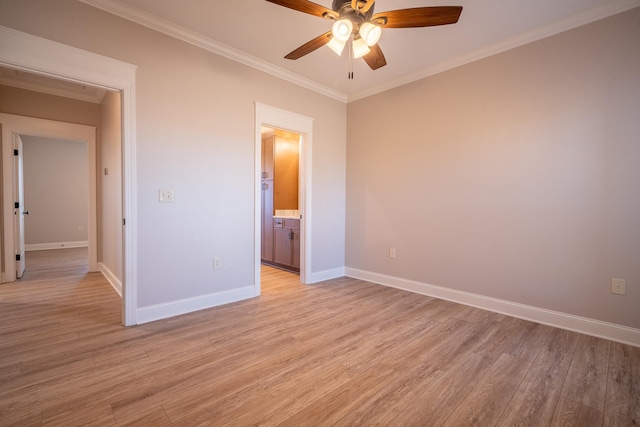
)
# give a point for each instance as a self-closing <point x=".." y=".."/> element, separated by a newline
<point x="118" y="8"/>
<point x="557" y="27"/>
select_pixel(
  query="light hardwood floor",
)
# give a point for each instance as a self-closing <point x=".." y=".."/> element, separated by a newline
<point x="343" y="352"/>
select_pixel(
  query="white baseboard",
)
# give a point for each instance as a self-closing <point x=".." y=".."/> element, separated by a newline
<point x="55" y="245"/>
<point x="108" y="274"/>
<point x="584" y="325"/>
<point x="326" y="275"/>
<point x="188" y="305"/>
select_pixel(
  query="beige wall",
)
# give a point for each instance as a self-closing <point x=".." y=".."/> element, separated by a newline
<point x="23" y="102"/>
<point x="195" y="135"/>
<point x="111" y="184"/>
<point x="56" y="190"/>
<point x="514" y="177"/>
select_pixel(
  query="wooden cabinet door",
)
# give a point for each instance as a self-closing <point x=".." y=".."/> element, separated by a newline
<point x="267" y="158"/>
<point x="281" y="246"/>
<point x="295" y="249"/>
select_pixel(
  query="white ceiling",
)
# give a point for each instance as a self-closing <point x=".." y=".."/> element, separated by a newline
<point x="260" y="34"/>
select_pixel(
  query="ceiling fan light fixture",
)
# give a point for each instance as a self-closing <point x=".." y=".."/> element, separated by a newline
<point x="357" y="27"/>
<point x="342" y="29"/>
<point x="370" y="33"/>
<point x="336" y="45"/>
<point x="360" y="48"/>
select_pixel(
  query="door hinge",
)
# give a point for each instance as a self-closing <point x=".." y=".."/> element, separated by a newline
<point x="16" y="205"/>
<point x="18" y="257"/>
<point x="15" y="152"/>
<point x="124" y="221"/>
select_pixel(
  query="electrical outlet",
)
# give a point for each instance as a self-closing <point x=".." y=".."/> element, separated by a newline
<point x="392" y="253"/>
<point x="217" y="263"/>
<point x="165" y="196"/>
<point x="617" y="286"/>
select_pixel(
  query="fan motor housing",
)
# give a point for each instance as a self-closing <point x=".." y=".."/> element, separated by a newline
<point x="344" y="9"/>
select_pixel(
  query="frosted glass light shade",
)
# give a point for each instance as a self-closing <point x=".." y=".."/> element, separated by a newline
<point x="336" y="45"/>
<point x="360" y="48"/>
<point x="342" y="29"/>
<point x="370" y="33"/>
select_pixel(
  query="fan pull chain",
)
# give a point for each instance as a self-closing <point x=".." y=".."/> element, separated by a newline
<point x="350" y="74"/>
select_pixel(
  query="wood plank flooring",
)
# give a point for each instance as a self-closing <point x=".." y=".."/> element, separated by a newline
<point x="342" y="352"/>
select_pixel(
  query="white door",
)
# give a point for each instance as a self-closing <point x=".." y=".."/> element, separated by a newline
<point x="19" y="211"/>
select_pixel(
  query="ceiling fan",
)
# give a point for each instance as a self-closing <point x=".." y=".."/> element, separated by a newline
<point x="355" y="25"/>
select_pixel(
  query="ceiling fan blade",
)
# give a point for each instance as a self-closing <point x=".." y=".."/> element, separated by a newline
<point x="375" y="59"/>
<point x="305" y="7"/>
<point x="310" y="46"/>
<point x="419" y="17"/>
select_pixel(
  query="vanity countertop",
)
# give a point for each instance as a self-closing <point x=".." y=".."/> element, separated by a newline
<point x="287" y="214"/>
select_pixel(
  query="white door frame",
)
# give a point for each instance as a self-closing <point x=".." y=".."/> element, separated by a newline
<point x="18" y="197"/>
<point x="35" y="54"/>
<point x="19" y="125"/>
<point x="281" y="119"/>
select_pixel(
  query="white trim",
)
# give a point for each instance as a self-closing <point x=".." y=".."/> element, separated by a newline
<point x="321" y="276"/>
<point x="592" y="15"/>
<point x="57" y="88"/>
<point x="20" y="125"/>
<point x="57" y="245"/>
<point x="189" y="305"/>
<point x="583" y="325"/>
<point x="174" y="30"/>
<point x="35" y="54"/>
<point x="303" y="125"/>
<point x="129" y="203"/>
<point x="116" y="284"/>
<point x="45" y="57"/>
